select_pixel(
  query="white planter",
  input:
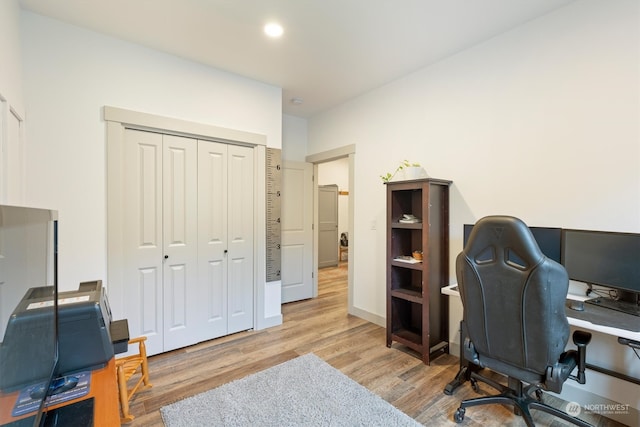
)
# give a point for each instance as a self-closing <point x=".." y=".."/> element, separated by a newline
<point x="413" y="172"/>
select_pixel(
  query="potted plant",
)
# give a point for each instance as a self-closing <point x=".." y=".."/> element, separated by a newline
<point x="409" y="171"/>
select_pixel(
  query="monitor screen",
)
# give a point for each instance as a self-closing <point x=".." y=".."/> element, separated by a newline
<point x="548" y="239"/>
<point x="27" y="272"/>
<point x="603" y="258"/>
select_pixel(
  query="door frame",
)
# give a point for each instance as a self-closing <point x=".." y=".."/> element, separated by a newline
<point x="117" y="120"/>
<point x="348" y="151"/>
<point x="13" y="159"/>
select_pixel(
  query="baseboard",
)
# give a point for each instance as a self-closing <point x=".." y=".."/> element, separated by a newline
<point x="370" y="317"/>
<point x="269" y="322"/>
<point x="454" y="349"/>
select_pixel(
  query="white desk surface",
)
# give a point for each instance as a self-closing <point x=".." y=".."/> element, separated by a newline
<point x="579" y="323"/>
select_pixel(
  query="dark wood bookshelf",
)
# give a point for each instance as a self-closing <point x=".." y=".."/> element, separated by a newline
<point x="417" y="313"/>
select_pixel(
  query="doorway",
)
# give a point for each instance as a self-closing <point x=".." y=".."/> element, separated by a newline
<point x="332" y="211"/>
<point x="347" y="152"/>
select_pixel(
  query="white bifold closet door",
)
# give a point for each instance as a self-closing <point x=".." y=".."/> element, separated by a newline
<point x="188" y="239"/>
<point x="225" y="230"/>
<point x="160" y="238"/>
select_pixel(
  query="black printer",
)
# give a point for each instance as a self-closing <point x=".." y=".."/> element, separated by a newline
<point x="84" y="339"/>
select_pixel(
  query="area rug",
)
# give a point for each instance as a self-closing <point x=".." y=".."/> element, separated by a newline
<point x="305" y="391"/>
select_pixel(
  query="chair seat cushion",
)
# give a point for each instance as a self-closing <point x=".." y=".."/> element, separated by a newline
<point x="551" y="380"/>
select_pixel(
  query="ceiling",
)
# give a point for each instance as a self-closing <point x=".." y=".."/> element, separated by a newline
<point x="331" y="50"/>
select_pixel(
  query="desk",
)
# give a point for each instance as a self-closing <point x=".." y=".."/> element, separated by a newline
<point x="591" y="319"/>
<point x="103" y="389"/>
<point x="586" y="319"/>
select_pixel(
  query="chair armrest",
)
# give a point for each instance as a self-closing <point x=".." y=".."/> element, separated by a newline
<point x="581" y="339"/>
<point x="136" y="357"/>
<point x="137" y="340"/>
<point x="469" y="352"/>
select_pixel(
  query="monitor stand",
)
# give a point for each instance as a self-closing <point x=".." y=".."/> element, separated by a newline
<point x="618" y="305"/>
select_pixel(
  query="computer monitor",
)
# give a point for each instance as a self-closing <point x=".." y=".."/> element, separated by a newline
<point x="549" y="240"/>
<point x="28" y="268"/>
<point x="609" y="259"/>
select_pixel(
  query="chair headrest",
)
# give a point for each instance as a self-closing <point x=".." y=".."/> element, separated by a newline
<point x="504" y="239"/>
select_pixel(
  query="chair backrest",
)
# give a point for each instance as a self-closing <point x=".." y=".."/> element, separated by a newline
<point x="513" y="296"/>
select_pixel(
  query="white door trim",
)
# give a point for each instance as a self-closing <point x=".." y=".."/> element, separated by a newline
<point x="348" y="151"/>
<point x="13" y="160"/>
<point x="144" y="121"/>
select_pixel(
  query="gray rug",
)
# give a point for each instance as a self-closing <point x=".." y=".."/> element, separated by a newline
<point x="304" y="391"/>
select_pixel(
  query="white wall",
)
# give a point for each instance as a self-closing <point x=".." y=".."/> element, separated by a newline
<point x="11" y="69"/>
<point x="69" y="75"/>
<point x="294" y="138"/>
<point x="12" y="161"/>
<point x="540" y="122"/>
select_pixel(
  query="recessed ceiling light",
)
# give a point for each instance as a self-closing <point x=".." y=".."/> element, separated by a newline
<point x="273" y="30"/>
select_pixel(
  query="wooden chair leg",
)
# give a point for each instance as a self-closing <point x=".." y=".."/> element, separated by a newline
<point x="145" y="366"/>
<point x="126" y="368"/>
<point x="124" y="398"/>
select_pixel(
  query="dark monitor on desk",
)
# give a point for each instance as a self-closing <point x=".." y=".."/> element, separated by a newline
<point x="28" y="268"/>
<point x="548" y="238"/>
<point x="607" y="259"/>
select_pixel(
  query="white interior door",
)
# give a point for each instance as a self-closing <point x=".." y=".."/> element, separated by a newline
<point x="328" y="241"/>
<point x="212" y="236"/>
<point x="180" y="240"/>
<point x="225" y="255"/>
<point x="297" y="231"/>
<point x="142" y="236"/>
<point x="240" y="200"/>
<point x="160" y="239"/>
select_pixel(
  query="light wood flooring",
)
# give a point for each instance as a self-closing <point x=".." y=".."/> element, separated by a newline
<point x="350" y="344"/>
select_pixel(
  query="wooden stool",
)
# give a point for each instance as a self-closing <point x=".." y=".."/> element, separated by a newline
<point x="126" y="367"/>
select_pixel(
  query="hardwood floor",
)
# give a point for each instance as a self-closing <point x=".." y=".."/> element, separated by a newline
<point x="350" y="344"/>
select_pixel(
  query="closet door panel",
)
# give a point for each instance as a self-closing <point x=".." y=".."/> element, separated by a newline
<point x="142" y="236"/>
<point x="147" y="290"/>
<point x="176" y="310"/>
<point x="215" y="298"/>
<point x="240" y="301"/>
<point x="212" y="236"/>
<point x="180" y="204"/>
<point x="240" y="229"/>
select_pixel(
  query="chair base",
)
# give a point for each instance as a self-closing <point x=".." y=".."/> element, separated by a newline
<point x="516" y="396"/>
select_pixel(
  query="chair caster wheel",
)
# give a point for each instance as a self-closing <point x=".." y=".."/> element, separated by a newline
<point x="475" y="386"/>
<point x="458" y="416"/>
<point x="539" y="395"/>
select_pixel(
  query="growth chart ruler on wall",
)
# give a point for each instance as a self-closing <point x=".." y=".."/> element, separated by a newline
<point x="274" y="182"/>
